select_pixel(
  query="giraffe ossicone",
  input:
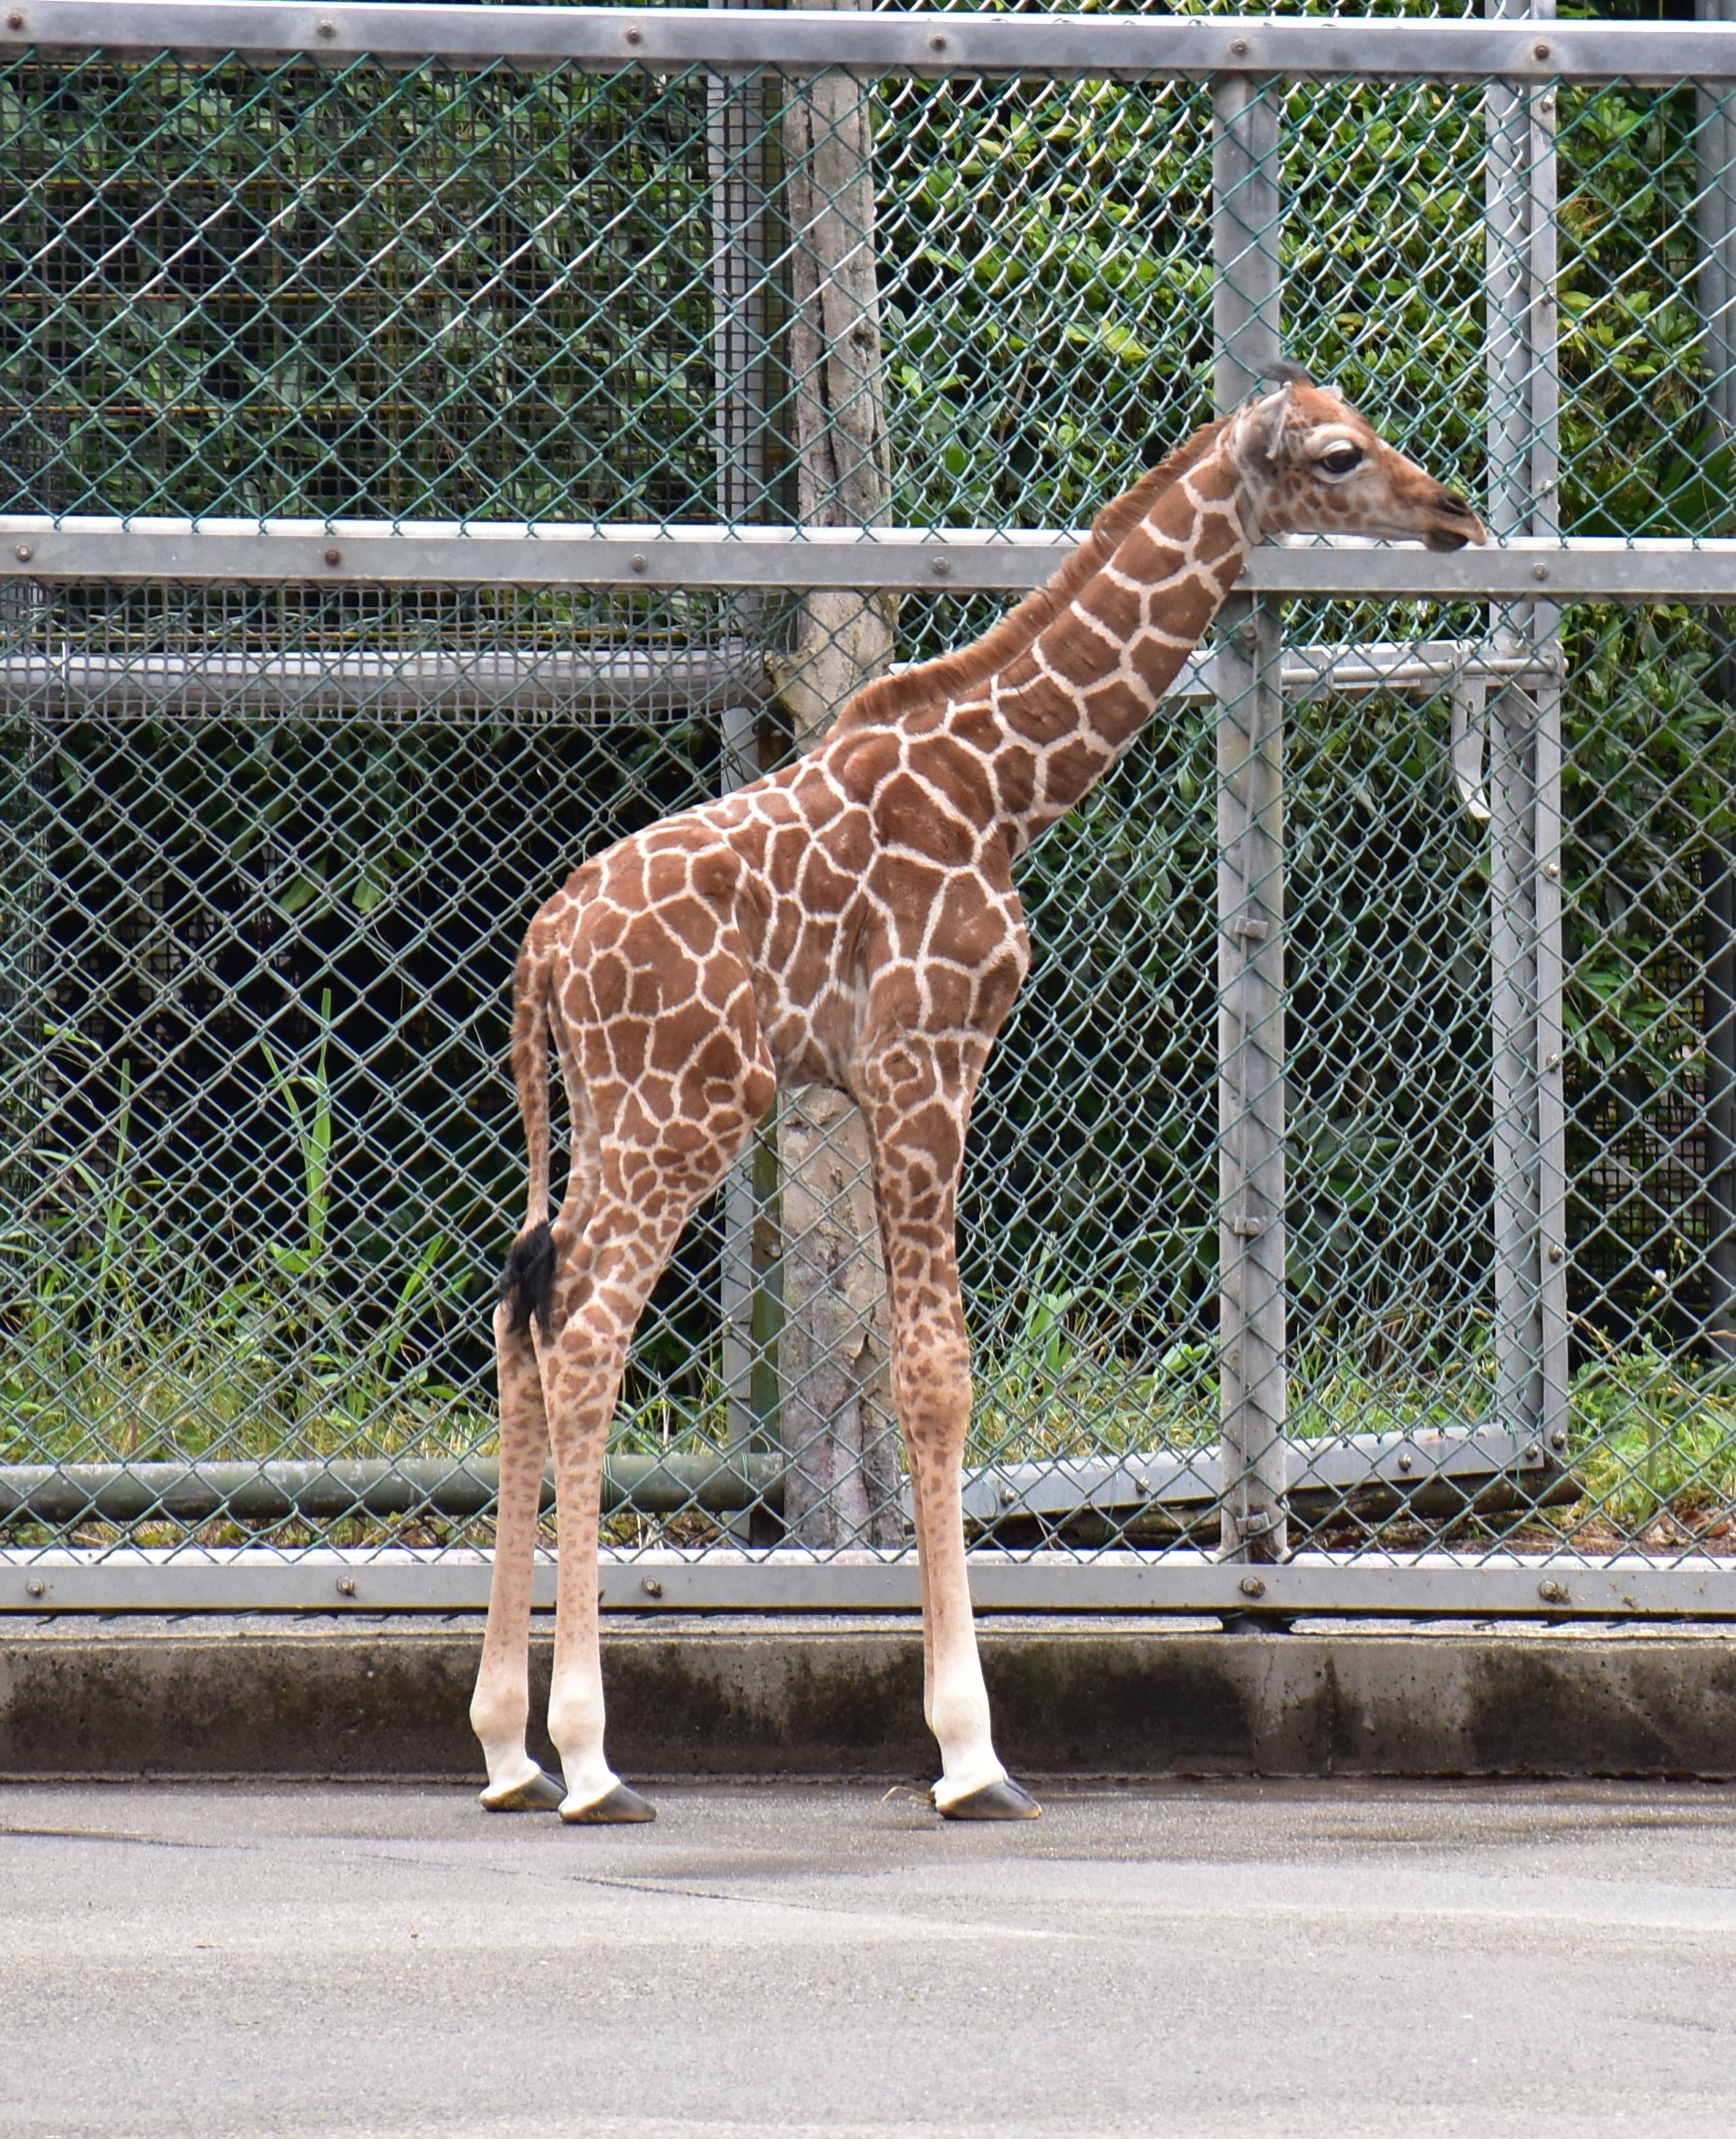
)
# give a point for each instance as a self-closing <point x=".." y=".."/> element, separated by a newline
<point x="849" y="921"/>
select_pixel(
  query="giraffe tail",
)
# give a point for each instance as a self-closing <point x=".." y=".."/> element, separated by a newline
<point x="527" y="1281"/>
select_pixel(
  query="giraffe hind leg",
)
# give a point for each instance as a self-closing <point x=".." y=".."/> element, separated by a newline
<point x="500" y="1706"/>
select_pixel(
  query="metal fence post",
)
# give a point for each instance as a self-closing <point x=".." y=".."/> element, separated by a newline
<point x="842" y="1486"/>
<point x="29" y="478"/>
<point x="1246" y="211"/>
<point x="735" y="140"/>
<point x="1716" y="145"/>
<point x="1528" y="1158"/>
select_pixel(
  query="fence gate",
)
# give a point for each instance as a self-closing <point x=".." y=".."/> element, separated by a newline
<point x="438" y="441"/>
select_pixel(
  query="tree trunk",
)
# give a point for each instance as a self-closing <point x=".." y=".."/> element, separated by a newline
<point x="839" y="1437"/>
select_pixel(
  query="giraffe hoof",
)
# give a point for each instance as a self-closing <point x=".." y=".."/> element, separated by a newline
<point x="1005" y="1799"/>
<point x="542" y="1793"/>
<point x="620" y="1807"/>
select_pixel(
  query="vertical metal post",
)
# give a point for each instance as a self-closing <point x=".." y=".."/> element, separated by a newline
<point x="1715" y="144"/>
<point x="735" y="143"/>
<point x="747" y="1316"/>
<point x="1246" y="211"/>
<point x="29" y="482"/>
<point x="1527" y="1069"/>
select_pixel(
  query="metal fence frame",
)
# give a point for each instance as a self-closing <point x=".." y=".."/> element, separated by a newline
<point x="1523" y="54"/>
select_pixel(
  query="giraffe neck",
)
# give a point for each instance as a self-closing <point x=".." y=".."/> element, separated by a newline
<point x="1068" y="704"/>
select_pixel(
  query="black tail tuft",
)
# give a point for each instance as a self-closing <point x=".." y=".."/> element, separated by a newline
<point x="527" y="1283"/>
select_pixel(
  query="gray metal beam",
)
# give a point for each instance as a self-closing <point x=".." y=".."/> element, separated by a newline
<point x="1247" y="304"/>
<point x="332" y="1490"/>
<point x="1402" y="1467"/>
<point x="560" y="681"/>
<point x="901" y="42"/>
<point x="1624" y="1587"/>
<point x="563" y="682"/>
<point x="500" y="554"/>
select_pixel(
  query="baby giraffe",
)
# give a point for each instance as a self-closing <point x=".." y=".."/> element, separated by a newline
<point x="851" y="921"/>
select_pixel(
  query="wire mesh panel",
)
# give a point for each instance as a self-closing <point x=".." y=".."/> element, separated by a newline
<point x="270" y="847"/>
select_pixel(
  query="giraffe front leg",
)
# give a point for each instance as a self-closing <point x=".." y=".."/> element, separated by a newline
<point x="500" y="1706"/>
<point x="973" y="1784"/>
<point x="917" y="1152"/>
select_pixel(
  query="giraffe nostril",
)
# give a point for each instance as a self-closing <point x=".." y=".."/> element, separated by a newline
<point x="1450" y="501"/>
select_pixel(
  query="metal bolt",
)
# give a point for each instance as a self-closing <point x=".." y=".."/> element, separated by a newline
<point x="634" y="36"/>
<point x="1552" y="868"/>
<point x="1008" y="1497"/>
<point x="937" y="43"/>
<point x="15" y="21"/>
<point x="1406" y="1461"/>
<point x="346" y="1585"/>
<point x="652" y="1585"/>
<point x="24" y="554"/>
<point x="1142" y="1485"/>
<point x="327" y="29"/>
<point x="1532" y="1454"/>
<point x="1558" y="1439"/>
<point x="37" y="1586"/>
<point x="635" y="563"/>
<point x="1546" y="102"/>
<point x="1552" y="1592"/>
<point x="334" y="556"/>
<point x="1540" y="572"/>
<point x="1251" y="1586"/>
<point x="1557" y="1253"/>
<point x="940" y="566"/>
<point x="1238" y="46"/>
<point x="1540" y="51"/>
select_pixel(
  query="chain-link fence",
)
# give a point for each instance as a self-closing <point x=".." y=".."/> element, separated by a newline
<point x="424" y="469"/>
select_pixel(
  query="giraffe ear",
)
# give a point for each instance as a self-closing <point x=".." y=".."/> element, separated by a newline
<point x="1269" y="415"/>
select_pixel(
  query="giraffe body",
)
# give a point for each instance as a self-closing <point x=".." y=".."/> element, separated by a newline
<point x="851" y="921"/>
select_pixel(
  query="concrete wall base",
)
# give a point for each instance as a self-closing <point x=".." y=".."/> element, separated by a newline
<point x="303" y="1697"/>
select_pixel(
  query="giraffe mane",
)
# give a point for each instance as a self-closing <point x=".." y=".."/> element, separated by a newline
<point x="890" y="697"/>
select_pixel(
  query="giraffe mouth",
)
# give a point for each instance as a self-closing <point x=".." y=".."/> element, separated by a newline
<point x="1461" y="526"/>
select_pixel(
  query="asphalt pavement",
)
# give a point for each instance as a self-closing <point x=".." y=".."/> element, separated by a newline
<point x="1225" y="1958"/>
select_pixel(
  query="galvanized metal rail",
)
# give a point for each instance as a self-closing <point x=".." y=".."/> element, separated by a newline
<point x="193" y="1578"/>
<point x="501" y="553"/>
<point x="1447" y="1472"/>
<point x="916" y="42"/>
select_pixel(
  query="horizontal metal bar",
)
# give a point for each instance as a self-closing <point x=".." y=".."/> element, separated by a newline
<point x="326" y="1492"/>
<point x="1403" y="1464"/>
<point x="258" y="1579"/>
<point x="640" y="679"/>
<point x="900" y="42"/>
<point x="561" y="681"/>
<point x="491" y="553"/>
<point x="515" y="553"/>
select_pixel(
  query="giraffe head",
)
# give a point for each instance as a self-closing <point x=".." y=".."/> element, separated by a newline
<point x="1320" y="468"/>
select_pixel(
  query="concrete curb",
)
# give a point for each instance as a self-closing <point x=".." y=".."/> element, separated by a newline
<point x="304" y="1697"/>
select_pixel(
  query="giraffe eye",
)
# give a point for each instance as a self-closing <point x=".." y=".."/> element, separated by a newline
<point x="1341" y="460"/>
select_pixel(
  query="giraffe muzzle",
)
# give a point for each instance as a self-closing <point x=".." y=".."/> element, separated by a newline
<point x="1457" y="526"/>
